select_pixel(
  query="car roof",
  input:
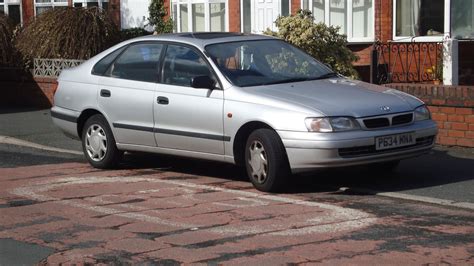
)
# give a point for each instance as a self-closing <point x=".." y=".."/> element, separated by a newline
<point x="201" y="39"/>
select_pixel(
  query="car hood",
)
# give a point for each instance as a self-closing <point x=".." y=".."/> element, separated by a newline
<point x="340" y="97"/>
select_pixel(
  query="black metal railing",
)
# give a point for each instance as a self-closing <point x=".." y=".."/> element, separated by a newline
<point x="413" y="62"/>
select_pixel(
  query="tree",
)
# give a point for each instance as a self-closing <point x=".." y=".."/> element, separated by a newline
<point x="317" y="39"/>
<point x="67" y="33"/>
<point x="157" y="17"/>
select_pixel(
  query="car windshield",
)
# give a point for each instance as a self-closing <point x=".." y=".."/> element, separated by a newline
<point x="263" y="62"/>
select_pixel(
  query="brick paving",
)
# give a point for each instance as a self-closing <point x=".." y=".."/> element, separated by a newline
<point x="144" y="215"/>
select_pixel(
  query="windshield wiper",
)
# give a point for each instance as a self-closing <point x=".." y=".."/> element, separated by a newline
<point x="327" y="75"/>
<point x="324" y="76"/>
<point x="286" y="81"/>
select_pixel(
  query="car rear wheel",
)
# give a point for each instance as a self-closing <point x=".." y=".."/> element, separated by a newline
<point x="266" y="161"/>
<point x="98" y="143"/>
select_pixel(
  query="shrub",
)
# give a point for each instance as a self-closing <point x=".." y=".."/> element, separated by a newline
<point x="157" y="17"/>
<point x="7" y="51"/>
<point x="68" y="33"/>
<point x="133" y="33"/>
<point x="319" y="40"/>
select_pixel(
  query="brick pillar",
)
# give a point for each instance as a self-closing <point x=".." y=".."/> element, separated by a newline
<point x="28" y="7"/>
<point x="114" y="11"/>
<point x="234" y="15"/>
<point x="383" y="20"/>
<point x="295" y="6"/>
<point x="167" y="6"/>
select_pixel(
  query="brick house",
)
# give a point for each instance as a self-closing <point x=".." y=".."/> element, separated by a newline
<point x="363" y="21"/>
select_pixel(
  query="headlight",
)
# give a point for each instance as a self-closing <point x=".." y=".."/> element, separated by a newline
<point x="422" y="113"/>
<point x="331" y="124"/>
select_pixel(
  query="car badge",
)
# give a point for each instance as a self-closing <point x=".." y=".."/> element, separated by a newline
<point x="385" y="108"/>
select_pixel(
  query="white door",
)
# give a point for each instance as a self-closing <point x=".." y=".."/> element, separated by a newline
<point x="264" y="14"/>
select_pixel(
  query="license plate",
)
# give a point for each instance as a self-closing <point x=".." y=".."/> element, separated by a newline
<point x="394" y="141"/>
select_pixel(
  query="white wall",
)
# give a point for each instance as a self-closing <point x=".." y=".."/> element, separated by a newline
<point x="134" y="13"/>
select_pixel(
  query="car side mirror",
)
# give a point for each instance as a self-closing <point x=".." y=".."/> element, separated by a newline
<point x="203" y="82"/>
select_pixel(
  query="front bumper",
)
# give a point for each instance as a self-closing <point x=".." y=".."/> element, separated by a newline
<point x="309" y="150"/>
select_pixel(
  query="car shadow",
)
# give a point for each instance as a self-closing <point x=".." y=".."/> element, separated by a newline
<point x="440" y="167"/>
<point x="138" y="160"/>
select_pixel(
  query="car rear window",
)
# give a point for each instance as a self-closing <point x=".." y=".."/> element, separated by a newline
<point x="101" y="67"/>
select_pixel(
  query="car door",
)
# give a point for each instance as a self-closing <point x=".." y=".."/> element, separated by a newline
<point x="187" y="118"/>
<point x="126" y="93"/>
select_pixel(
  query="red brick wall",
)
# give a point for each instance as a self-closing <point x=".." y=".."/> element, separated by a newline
<point x="114" y="11"/>
<point x="28" y="7"/>
<point x="295" y="6"/>
<point x="452" y="108"/>
<point x="383" y="20"/>
<point x="168" y="8"/>
<point x="21" y="90"/>
<point x="234" y="15"/>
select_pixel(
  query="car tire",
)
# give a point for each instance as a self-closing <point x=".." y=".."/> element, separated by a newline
<point x="266" y="161"/>
<point x="98" y="143"/>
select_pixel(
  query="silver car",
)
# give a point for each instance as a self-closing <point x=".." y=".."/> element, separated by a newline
<point x="249" y="100"/>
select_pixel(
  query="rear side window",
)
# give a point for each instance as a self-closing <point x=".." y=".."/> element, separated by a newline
<point x="139" y="62"/>
<point x="101" y="67"/>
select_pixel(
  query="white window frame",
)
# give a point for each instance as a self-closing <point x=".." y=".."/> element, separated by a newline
<point x="439" y="38"/>
<point x="84" y="2"/>
<point x="6" y="3"/>
<point x="207" y="14"/>
<point x="51" y="4"/>
<point x="349" y="20"/>
<point x="252" y="2"/>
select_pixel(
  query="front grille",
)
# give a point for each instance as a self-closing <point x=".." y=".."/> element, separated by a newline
<point x="402" y="119"/>
<point x="376" y="122"/>
<point x="370" y="150"/>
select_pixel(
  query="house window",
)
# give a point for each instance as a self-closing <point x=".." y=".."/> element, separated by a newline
<point x="246" y="16"/>
<point x="354" y="17"/>
<point x="285" y="8"/>
<point x="44" y="5"/>
<point x="91" y="3"/>
<point x="12" y="9"/>
<point x="199" y="15"/>
<point x="462" y="19"/>
<point x="419" y="18"/>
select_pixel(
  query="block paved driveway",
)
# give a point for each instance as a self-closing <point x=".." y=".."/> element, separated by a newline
<point x="165" y="210"/>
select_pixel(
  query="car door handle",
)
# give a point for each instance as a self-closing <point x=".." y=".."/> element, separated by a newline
<point x="105" y="93"/>
<point x="162" y="100"/>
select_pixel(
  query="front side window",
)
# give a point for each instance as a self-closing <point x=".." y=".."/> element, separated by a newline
<point x="253" y="63"/>
<point x="355" y="18"/>
<point x="43" y="5"/>
<point x="182" y="64"/>
<point x="139" y="62"/>
<point x="419" y="18"/>
<point x="12" y="9"/>
<point x="462" y="19"/>
<point x="199" y="15"/>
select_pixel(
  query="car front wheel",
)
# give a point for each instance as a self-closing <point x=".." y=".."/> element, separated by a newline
<point x="98" y="143"/>
<point x="266" y="161"/>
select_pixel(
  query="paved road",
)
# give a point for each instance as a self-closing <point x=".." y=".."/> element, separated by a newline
<point x="167" y="210"/>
